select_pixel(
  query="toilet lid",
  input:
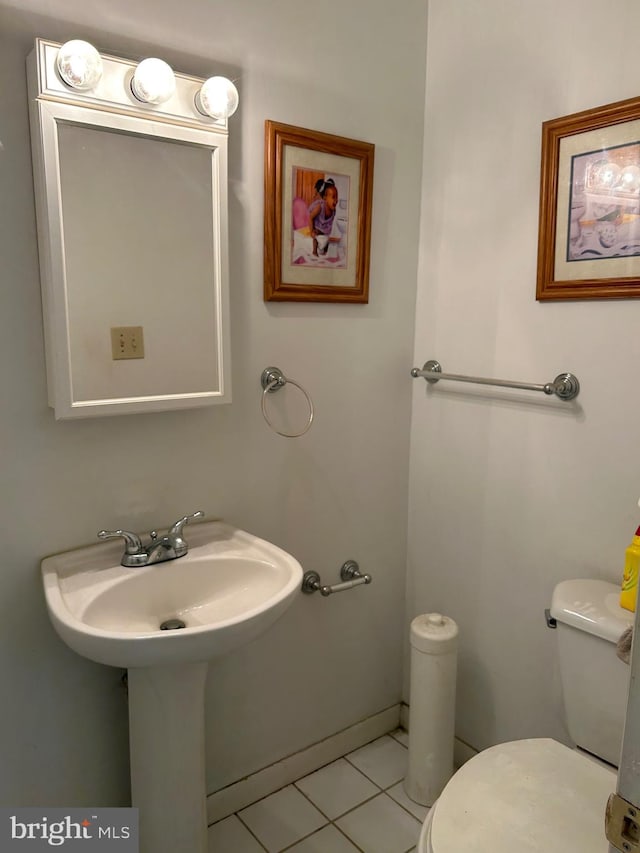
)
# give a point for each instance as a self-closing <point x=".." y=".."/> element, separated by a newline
<point x="521" y="797"/>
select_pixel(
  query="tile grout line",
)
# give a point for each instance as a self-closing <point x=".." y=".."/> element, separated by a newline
<point x="388" y="788"/>
<point x="311" y="834"/>
<point x="330" y="821"/>
<point x="405" y="809"/>
<point x="348" y="811"/>
<point x="287" y="784"/>
<point x="250" y="831"/>
<point x="219" y="810"/>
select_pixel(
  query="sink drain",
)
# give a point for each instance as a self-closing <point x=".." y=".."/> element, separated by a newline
<point x="172" y="625"/>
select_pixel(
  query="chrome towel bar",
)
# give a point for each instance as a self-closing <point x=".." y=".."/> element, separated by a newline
<point x="565" y="385"/>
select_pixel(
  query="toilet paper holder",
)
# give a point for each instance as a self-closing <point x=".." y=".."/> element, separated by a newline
<point x="350" y="576"/>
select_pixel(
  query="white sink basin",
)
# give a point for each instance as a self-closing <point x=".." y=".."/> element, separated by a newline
<point x="227" y="590"/>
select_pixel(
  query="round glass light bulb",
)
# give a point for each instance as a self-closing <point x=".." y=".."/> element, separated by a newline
<point x="607" y="175"/>
<point x="630" y="179"/>
<point x="79" y="64"/>
<point x="217" y="98"/>
<point x="153" y="81"/>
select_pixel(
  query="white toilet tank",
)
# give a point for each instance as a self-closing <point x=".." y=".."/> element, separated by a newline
<point x="595" y="681"/>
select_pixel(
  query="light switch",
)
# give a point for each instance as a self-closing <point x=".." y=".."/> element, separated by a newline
<point x="127" y="342"/>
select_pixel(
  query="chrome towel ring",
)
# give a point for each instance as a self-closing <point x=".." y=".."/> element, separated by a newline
<point x="273" y="379"/>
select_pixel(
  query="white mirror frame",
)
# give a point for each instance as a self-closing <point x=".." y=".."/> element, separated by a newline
<point x="112" y="106"/>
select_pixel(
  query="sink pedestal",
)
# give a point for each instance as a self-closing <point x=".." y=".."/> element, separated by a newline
<point x="167" y="754"/>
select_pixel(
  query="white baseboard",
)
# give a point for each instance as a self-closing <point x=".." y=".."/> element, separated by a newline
<point x="232" y="798"/>
<point x="239" y="794"/>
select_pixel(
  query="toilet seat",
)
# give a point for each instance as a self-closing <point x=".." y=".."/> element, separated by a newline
<point x="533" y="796"/>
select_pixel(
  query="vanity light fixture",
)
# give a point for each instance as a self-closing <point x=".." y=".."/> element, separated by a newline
<point x="153" y="81"/>
<point x="79" y="65"/>
<point x="218" y="98"/>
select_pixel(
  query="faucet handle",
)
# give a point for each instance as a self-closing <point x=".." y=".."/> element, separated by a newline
<point x="174" y="534"/>
<point x="175" y="531"/>
<point x="133" y="545"/>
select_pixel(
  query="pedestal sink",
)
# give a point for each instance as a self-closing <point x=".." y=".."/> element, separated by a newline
<point x="227" y="590"/>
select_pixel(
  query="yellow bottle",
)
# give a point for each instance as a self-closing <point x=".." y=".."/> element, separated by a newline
<point x="629" y="591"/>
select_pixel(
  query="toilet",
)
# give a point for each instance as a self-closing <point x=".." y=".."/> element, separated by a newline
<point x="537" y="794"/>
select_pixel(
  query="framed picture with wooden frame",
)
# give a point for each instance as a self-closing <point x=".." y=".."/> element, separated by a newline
<point x="589" y="230"/>
<point x="317" y="216"/>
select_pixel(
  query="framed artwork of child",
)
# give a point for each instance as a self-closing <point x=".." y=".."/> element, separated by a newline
<point x="317" y="224"/>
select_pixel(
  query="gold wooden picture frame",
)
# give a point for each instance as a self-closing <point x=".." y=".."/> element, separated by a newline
<point x="589" y="229"/>
<point x="318" y="191"/>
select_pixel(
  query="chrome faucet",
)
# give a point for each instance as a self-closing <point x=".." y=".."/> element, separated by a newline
<point x="168" y="547"/>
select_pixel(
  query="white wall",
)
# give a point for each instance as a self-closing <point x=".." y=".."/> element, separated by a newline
<point x="355" y="69"/>
<point x="511" y="492"/>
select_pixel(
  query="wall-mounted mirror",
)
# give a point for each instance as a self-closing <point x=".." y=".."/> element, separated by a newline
<point x="131" y="201"/>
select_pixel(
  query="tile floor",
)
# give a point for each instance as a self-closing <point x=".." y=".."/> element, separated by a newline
<point x="357" y="803"/>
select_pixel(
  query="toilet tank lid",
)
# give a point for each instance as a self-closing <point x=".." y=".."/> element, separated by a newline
<point x="592" y="606"/>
